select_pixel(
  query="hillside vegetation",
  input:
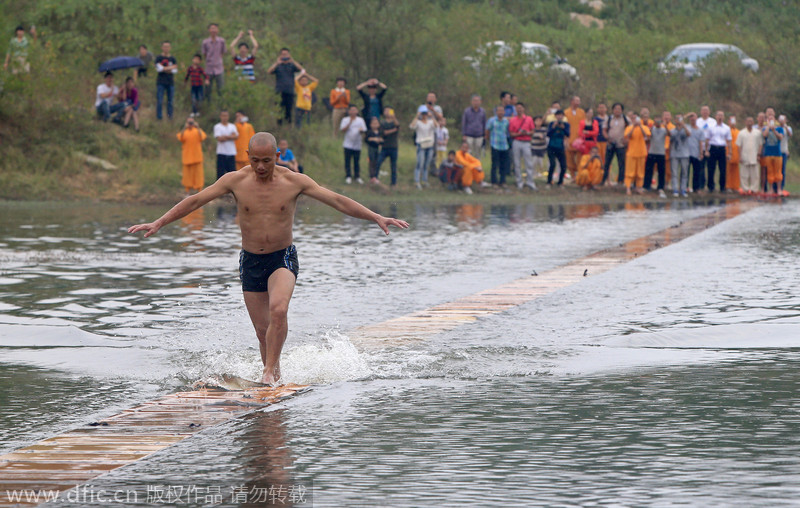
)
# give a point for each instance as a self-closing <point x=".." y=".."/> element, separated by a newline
<point x="47" y="120"/>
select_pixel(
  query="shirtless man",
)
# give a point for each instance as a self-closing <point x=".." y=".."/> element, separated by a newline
<point x="266" y="197"/>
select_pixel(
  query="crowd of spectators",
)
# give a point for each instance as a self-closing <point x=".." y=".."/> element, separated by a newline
<point x="654" y="153"/>
<point x="682" y="154"/>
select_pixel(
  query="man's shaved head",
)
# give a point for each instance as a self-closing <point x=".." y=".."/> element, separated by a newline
<point x="262" y="151"/>
<point x="262" y="140"/>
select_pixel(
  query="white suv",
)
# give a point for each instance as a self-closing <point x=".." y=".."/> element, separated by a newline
<point x="536" y="56"/>
<point x="689" y="58"/>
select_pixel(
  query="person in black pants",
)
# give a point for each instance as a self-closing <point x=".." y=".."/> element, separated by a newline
<point x="353" y="127"/>
<point x="613" y="131"/>
<point x="656" y="156"/>
<point x="284" y="69"/>
<point x="389" y="130"/>
<point x="558" y="132"/>
<point x="719" y="150"/>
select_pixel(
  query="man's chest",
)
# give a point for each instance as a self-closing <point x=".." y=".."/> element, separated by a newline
<point x="273" y="200"/>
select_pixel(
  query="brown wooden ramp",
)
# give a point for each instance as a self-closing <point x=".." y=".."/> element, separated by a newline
<point x="425" y="323"/>
<point x="61" y="462"/>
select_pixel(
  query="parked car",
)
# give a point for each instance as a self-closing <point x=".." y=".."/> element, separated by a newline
<point x="534" y="55"/>
<point x="689" y="58"/>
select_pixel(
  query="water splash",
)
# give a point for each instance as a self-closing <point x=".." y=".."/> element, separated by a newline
<point x="335" y="359"/>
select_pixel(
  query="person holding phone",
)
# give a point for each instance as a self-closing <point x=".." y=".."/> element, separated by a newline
<point x="557" y="134"/>
<point x="637" y="135"/>
<point x="590" y="171"/>
<point x="284" y="69"/>
<point x="773" y="134"/>
<point x="191" y="136"/>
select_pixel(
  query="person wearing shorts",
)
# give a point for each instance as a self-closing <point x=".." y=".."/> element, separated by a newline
<point x="268" y="278"/>
<point x="255" y="269"/>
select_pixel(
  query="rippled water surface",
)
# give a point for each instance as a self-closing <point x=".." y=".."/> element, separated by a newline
<point x="670" y="380"/>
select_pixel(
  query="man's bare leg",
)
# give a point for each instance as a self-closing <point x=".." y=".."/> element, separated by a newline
<point x="258" y="308"/>
<point x="271" y="310"/>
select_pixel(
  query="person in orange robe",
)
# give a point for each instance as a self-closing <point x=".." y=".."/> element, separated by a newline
<point x="637" y="135"/>
<point x="573" y="115"/>
<point x="472" y="170"/>
<point x="192" y="137"/>
<point x="732" y="180"/>
<point x="246" y="132"/>
<point x="590" y="170"/>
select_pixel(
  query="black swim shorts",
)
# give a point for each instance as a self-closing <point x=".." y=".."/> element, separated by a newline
<point x="255" y="269"/>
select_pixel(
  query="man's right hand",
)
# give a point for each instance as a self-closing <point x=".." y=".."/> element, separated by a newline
<point x="150" y="228"/>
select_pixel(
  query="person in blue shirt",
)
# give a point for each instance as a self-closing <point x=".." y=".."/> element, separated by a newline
<point x="773" y="134"/>
<point x="372" y="92"/>
<point x="558" y="133"/>
<point x="506" y="102"/>
<point x="497" y="134"/>
<point x="286" y="157"/>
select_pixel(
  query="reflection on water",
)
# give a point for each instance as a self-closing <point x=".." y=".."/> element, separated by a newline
<point x="668" y="380"/>
<point x="267" y="461"/>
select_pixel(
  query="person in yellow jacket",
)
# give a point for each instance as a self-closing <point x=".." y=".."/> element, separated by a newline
<point x="472" y="170"/>
<point x="246" y="132"/>
<point x="191" y="137"/>
<point x="304" y="86"/>
<point x="637" y="135"/>
<point x="732" y="180"/>
<point x="590" y="170"/>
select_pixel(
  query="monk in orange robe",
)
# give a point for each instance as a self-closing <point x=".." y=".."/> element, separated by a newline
<point x="246" y="131"/>
<point x="472" y="170"/>
<point x="590" y="169"/>
<point x="192" y="137"/>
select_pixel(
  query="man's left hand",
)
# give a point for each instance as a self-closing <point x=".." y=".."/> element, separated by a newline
<point x="385" y="222"/>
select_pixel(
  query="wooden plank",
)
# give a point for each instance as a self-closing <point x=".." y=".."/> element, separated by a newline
<point x="60" y="462"/>
<point x="425" y="323"/>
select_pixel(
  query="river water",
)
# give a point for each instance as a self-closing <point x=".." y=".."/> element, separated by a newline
<point x="670" y="380"/>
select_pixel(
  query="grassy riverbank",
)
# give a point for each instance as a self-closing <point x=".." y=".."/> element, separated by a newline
<point x="147" y="170"/>
<point x="47" y="124"/>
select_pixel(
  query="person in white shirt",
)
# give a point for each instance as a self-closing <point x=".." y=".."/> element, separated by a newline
<point x="106" y="91"/>
<point x="704" y="121"/>
<point x="353" y="127"/>
<point x="442" y="138"/>
<point x="437" y="115"/>
<point x="749" y="142"/>
<point x="425" y="129"/>
<point x="787" y="133"/>
<point x="226" y="134"/>
<point x="718" y="138"/>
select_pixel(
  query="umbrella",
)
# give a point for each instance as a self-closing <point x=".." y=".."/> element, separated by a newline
<point x="120" y="62"/>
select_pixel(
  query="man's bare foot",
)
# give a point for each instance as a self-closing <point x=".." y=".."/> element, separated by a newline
<point x="271" y="376"/>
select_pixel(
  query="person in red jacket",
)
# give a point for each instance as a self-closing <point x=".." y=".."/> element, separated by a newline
<point x="588" y="129"/>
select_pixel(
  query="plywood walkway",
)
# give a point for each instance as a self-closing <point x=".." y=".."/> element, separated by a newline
<point x="75" y="457"/>
<point x="425" y="323"/>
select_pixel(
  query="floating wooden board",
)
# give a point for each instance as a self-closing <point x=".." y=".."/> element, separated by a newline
<point x="61" y="462"/>
<point x="425" y="323"/>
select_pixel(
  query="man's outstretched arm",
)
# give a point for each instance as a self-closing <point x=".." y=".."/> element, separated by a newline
<point x="348" y="206"/>
<point x="185" y="207"/>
